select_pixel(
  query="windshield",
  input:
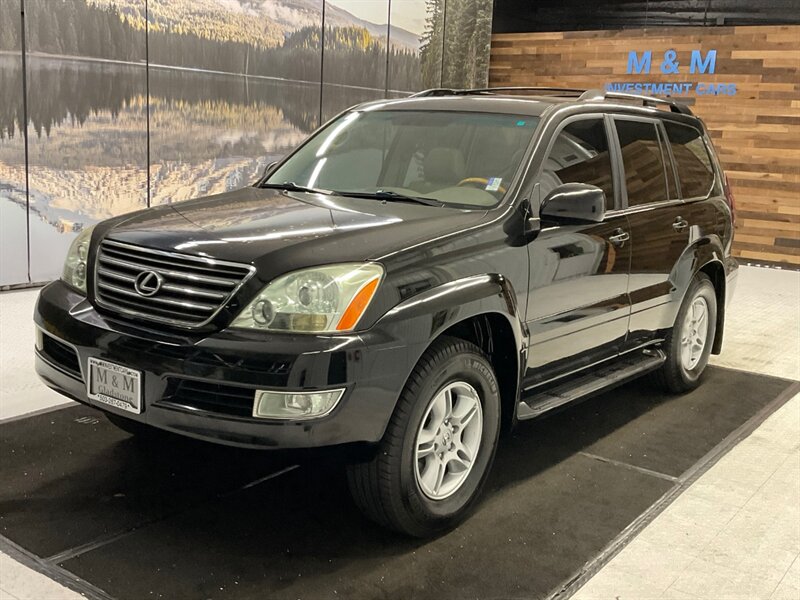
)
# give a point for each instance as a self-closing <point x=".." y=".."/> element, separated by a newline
<point x="453" y="158"/>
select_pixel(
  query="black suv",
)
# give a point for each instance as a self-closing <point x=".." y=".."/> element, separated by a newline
<point x="416" y="277"/>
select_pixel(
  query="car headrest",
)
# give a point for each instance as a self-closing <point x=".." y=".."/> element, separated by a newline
<point x="446" y="165"/>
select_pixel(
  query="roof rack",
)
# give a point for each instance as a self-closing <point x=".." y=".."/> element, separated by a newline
<point x="581" y="94"/>
<point x="599" y="95"/>
<point x="556" y="91"/>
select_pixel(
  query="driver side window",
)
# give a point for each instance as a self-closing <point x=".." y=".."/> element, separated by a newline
<point x="580" y="154"/>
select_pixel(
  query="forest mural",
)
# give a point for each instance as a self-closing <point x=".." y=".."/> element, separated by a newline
<point x="130" y="103"/>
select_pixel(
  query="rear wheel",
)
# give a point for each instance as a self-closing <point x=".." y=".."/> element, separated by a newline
<point x="439" y="446"/>
<point x="688" y="344"/>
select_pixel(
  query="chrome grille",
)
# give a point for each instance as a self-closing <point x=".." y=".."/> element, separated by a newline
<point x="192" y="289"/>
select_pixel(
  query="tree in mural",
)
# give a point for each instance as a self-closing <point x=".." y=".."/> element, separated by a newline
<point x="431" y="47"/>
<point x="455" y="43"/>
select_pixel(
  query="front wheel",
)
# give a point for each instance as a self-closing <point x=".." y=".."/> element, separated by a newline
<point x="688" y="344"/>
<point x="439" y="446"/>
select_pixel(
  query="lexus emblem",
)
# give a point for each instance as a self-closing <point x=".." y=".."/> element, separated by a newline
<point x="147" y="283"/>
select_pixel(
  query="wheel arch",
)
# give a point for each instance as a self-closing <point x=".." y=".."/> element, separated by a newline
<point x="715" y="271"/>
<point x="481" y="309"/>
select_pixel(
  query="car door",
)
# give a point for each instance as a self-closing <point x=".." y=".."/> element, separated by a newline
<point x="661" y="225"/>
<point x="578" y="304"/>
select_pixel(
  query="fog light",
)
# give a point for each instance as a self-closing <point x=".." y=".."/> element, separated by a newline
<point x="294" y="405"/>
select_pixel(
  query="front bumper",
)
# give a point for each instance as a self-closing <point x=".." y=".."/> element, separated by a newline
<point x="371" y="367"/>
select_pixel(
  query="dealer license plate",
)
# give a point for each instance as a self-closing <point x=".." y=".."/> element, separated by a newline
<point x="115" y="385"/>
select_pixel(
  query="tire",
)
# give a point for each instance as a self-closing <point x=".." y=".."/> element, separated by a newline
<point x="683" y="369"/>
<point x="395" y="486"/>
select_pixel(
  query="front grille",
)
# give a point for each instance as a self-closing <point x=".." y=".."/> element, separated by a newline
<point x="61" y="355"/>
<point x="192" y="289"/>
<point x="211" y="397"/>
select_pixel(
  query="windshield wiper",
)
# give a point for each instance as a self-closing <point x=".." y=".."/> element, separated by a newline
<point x="291" y="186"/>
<point x="392" y="197"/>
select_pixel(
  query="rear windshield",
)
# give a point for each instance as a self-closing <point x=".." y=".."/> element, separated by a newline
<point x="458" y="158"/>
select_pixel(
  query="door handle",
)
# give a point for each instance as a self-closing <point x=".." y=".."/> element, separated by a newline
<point x="680" y="224"/>
<point x="620" y="237"/>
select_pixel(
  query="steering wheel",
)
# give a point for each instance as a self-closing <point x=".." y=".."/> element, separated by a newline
<point x="482" y="183"/>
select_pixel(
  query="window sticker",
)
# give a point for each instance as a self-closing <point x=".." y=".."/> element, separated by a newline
<point x="493" y="184"/>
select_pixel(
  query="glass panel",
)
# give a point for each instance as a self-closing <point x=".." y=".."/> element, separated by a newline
<point x="415" y="62"/>
<point x="458" y="158"/>
<point x="468" y="36"/>
<point x="13" y="212"/>
<point x="645" y="170"/>
<point x="580" y="154"/>
<point x="695" y="170"/>
<point x="216" y="131"/>
<point x="354" y="68"/>
<point x="87" y="121"/>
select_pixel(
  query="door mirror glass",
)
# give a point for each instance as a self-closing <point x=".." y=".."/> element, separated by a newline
<point x="580" y="202"/>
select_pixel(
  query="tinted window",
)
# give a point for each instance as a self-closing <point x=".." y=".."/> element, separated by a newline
<point x="691" y="157"/>
<point x="580" y="155"/>
<point x="643" y="160"/>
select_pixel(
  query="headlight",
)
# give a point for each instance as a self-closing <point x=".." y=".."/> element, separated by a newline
<point x="75" y="266"/>
<point x="318" y="300"/>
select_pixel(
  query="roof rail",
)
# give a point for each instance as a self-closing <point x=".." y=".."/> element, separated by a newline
<point x="556" y="91"/>
<point x="581" y="94"/>
<point x="599" y="95"/>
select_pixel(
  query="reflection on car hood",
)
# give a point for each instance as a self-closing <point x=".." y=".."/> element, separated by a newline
<point x="299" y="229"/>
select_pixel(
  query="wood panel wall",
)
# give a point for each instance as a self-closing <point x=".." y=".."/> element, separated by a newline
<point x="756" y="132"/>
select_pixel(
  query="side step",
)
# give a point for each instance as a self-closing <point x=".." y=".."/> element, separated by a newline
<point x="603" y="378"/>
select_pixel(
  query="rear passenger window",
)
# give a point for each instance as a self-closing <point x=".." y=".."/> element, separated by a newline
<point x="692" y="160"/>
<point x="644" y="162"/>
<point x="580" y="155"/>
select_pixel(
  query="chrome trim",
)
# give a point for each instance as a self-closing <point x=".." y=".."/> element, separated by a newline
<point x="203" y="263"/>
<point x="168" y="301"/>
<point x="176" y="274"/>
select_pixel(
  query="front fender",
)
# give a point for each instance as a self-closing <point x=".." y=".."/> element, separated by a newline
<point x="427" y="315"/>
<point x="398" y="340"/>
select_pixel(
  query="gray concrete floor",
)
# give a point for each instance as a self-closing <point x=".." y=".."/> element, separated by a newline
<point x="735" y="533"/>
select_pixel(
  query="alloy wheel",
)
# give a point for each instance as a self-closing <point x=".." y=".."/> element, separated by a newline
<point x="694" y="334"/>
<point x="448" y="440"/>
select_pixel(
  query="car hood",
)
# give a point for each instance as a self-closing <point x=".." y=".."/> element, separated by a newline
<point x="267" y="227"/>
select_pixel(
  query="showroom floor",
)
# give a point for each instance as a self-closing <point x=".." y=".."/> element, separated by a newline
<point x="733" y="529"/>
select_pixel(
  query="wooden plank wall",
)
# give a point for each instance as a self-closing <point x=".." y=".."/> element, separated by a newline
<point x="756" y="132"/>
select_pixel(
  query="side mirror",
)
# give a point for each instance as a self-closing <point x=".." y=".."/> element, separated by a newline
<point x="579" y="202"/>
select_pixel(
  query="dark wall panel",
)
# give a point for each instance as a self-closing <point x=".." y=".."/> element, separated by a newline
<point x="86" y="123"/>
<point x="13" y="212"/>
<point x="519" y="16"/>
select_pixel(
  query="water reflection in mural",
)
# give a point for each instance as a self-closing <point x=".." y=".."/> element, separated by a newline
<point x="13" y="215"/>
<point x="233" y="85"/>
<point x="87" y="125"/>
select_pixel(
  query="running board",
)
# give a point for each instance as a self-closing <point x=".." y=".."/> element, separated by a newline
<point x="599" y="380"/>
